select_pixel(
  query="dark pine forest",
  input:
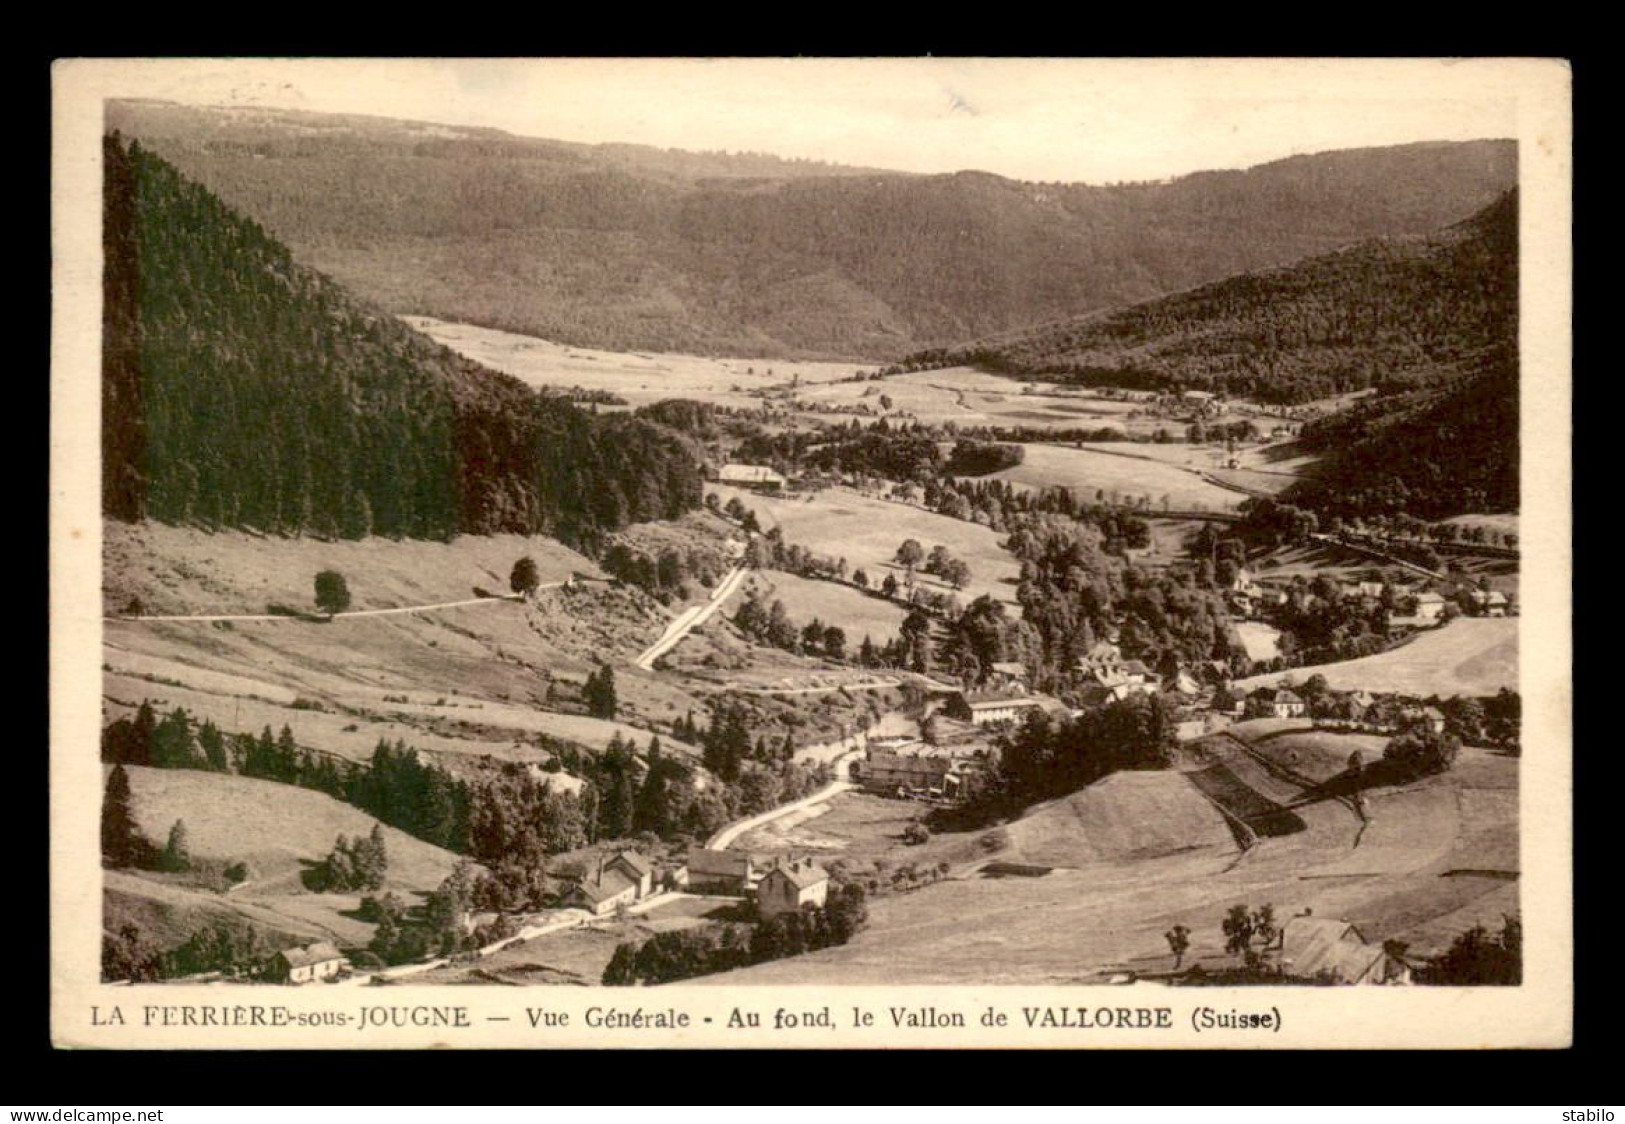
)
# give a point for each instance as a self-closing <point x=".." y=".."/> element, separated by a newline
<point x="241" y="389"/>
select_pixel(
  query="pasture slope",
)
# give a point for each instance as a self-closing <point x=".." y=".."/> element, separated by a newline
<point x="464" y="682"/>
<point x="842" y="523"/>
<point x="858" y="614"/>
<point x="1122" y="474"/>
<point x="280" y="831"/>
<point x="1433" y="858"/>
<point x="1469" y="656"/>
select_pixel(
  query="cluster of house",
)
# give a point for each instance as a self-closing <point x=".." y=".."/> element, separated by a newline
<point x="908" y="768"/>
<point x="1249" y="596"/>
<point x="626" y="877"/>
<point x="1352" y="710"/>
<point x="784" y="885"/>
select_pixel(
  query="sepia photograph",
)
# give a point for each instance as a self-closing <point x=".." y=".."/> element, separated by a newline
<point x="547" y="528"/>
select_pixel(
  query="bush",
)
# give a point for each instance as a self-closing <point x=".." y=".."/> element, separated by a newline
<point x="915" y="834"/>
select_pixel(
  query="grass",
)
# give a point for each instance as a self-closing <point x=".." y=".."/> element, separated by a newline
<point x="1404" y="880"/>
<point x="1469" y="656"/>
<point x="276" y="828"/>
<point x="177" y="570"/>
<point x="858" y="614"/>
<point x="841" y="523"/>
<point x="1088" y="472"/>
<point x="640" y="378"/>
<point x="1125" y="815"/>
<point x="280" y="831"/>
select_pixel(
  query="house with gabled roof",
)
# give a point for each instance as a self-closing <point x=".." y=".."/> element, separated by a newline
<point x="789" y="887"/>
<point x="308" y="963"/>
<point x="719" y="872"/>
<point x="1316" y="947"/>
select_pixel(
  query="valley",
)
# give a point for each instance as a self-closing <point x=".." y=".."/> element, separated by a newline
<point x="999" y="622"/>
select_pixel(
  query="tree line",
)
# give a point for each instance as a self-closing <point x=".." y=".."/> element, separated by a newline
<point x="241" y="389"/>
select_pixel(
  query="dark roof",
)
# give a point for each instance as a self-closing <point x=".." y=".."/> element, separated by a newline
<point x="635" y="861"/>
<point x="610" y="883"/>
<point x="732" y="864"/>
<point x="319" y="953"/>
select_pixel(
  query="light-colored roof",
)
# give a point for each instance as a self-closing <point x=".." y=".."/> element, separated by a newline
<point x="610" y="883"/>
<point x="1286" y="697"/>
<point x="319" y="953"/>
<point x="994" y="702"/>
<point x="1311" y="945"/>
<point x="1429" y="598"/>
<point x="1009" y="667"/>
<point x="750" y="474"/>
<point x="800" y="875"/>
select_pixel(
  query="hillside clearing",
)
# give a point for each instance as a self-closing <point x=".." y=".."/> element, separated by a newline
<point x="1118" y="474"/>
<point x="1469" y="656"/>
<point x="840" y="523"/>
<point x="858" y="614"/>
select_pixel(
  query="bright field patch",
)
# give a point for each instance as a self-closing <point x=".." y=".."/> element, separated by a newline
<point x="1469" y="656"/>
<point x="1088" y="472"/>
<point x="840" y="523"/>
<point x="858" y="614"/>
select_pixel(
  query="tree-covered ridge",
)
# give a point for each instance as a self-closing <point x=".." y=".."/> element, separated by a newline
<point x="241" y="389"/>
<point x="629" y="249"/>
<point x="1381" y="313"/>
<point x="1427" y="453"/>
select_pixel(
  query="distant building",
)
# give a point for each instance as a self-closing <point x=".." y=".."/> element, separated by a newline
<point x="1312" y="947"/>
<point x="989" y="710"/>
<point x="789" y="887"/>
<point x="1429" y="606"/>
<point x="308" y="963"/>
<point x="1277" y="703"/>
<point x="719" y="872"/>
<point x="756" y="476"/>
<point x="1489" y="603"/>
<point x="1010" y="672"/>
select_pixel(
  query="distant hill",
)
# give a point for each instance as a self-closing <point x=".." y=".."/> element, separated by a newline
<point x="242" y="389"/>
<point x="625" y="247"/>
<point x="1386" y="313"/>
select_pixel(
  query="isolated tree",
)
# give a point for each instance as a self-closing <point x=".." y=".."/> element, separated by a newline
<point x="332" y="592"/>
<point x="122" y="843"/>
<point x="177" y="852"/>
<point x="909" y="555"/>
<point x="1179" y="943"/>
<point x="525" y="579"/>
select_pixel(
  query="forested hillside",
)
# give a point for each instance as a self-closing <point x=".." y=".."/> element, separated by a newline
<point x="1384" y="313"/>
<point x="1427" y="453"/>
<point x="623" y="247"/>
<point x="242" y="389"/>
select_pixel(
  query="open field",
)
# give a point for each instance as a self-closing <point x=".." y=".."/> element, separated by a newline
<point x="464" y="682"/>
<point x="640" y="378"/>
<point x="280" y="831"/>
<point x="1416" y="873"/>
<point x="840" y="523"/>
<point x="1468" y="656"/>
<point x="858" y="614"/>
<point x="1126" y="815"/>
<point x="1089" y="473"/>
<point x="176" y="570"/>
<point x="1260" y="641"/>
